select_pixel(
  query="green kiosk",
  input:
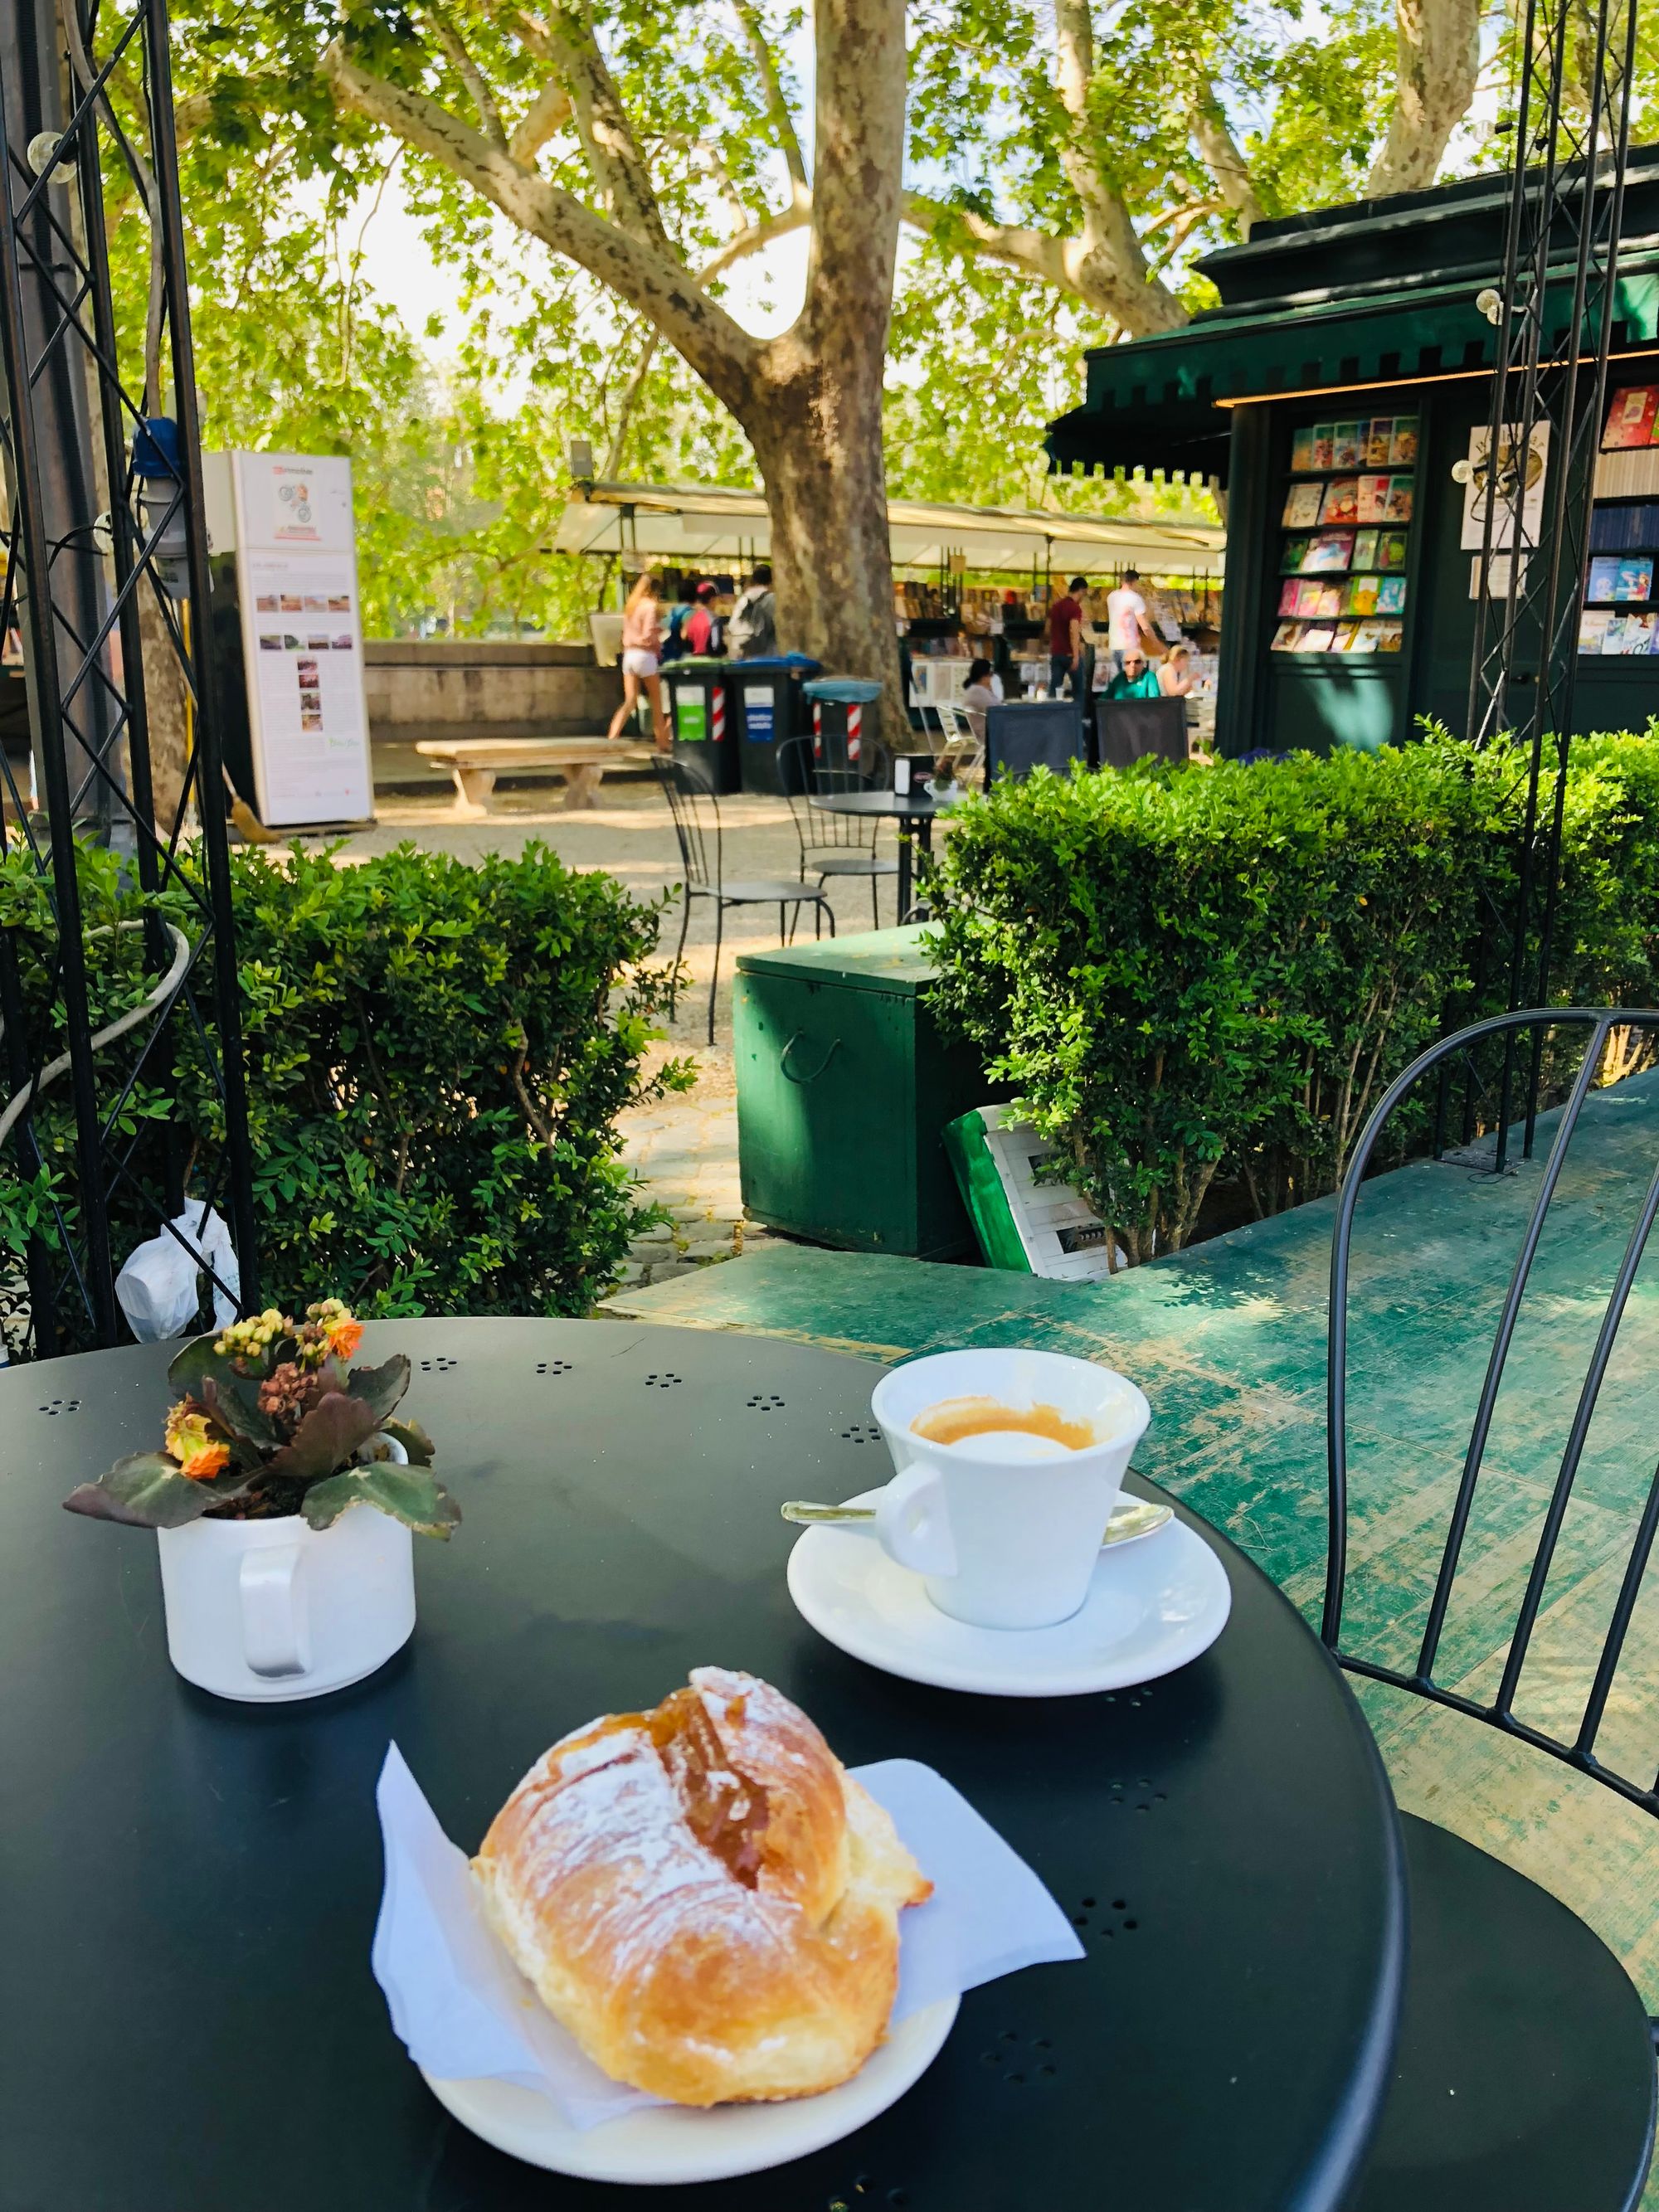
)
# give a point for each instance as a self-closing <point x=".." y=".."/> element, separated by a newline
<point x="1329" y="400"/>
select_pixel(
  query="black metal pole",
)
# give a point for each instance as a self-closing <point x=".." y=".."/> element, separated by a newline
<point x="209" y="773"/>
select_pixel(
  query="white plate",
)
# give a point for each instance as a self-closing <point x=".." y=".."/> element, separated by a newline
<point x="665" y="2144"/>
<point x="1152" y="1605"/>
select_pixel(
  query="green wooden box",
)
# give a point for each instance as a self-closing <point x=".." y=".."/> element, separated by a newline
<point x="844" y="1087"/>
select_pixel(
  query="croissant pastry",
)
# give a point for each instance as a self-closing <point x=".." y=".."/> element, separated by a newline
<point x="703" y="1896"/>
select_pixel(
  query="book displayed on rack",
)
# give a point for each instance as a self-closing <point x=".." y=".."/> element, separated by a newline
<point x="1384" y="441"/>
<point x="1623" y="578"/>
<point x="1632" y="418"/>
<point x="1342" y="564"/>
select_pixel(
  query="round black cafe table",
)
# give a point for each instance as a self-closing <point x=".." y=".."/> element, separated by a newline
<point x="190" y="1886"/>
<point x="912" y="811"/>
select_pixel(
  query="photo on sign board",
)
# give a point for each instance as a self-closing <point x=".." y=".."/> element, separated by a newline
<point x="346" y="642"/>
<point x="1518" y="484"/>
<point x="290" y="644"/>
<point x="307" y="670"/>
<point x="316" y="603"/>
<point x="311" y="701"/>
<point x="339" y="603"/>
<point x="268" y="603"/>
<point x="292" y="603"/>
<point x="312" y="721"/>
<point x="319" y="642"/>
<point x="270" y="640"/>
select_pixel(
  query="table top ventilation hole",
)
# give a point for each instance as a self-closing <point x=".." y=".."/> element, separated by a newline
<point x="1103" y="1923"/>
<point x="57" y="1405"/>
<point x="440" y="1365"/>
<point x="666" y="1381"/>
<point x="553" y="1367"/>
<point x="861" y="1432"/>
<point x="766" y="1401"/>
<point x="1021" y="2062"/>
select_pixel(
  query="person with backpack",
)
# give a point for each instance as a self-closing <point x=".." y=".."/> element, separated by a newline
<point x="752" y="631"/>
<point x="704" y="631"/>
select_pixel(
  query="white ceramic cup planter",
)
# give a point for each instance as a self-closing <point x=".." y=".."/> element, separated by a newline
<point x="267" y="1611"/>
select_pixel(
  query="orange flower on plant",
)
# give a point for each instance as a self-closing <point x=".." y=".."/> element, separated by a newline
<point x="190" y="1440"/>
<point x="343" y="1331"/>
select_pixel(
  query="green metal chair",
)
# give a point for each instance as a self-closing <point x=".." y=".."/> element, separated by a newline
<point x="831" y="845"/>
<point x="1524" y="2076"/>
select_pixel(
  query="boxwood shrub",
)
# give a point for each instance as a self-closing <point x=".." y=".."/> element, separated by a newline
<point x="1195" y="972"/>
<point x="436" y="1056"/>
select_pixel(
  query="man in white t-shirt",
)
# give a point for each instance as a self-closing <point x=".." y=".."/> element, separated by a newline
<point x="1125" y="616"/>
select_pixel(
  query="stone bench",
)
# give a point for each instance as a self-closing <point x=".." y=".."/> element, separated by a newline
<point x="474" y="763"/>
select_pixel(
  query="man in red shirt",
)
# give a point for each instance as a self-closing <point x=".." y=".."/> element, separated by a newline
<point x="1066" y="636"/>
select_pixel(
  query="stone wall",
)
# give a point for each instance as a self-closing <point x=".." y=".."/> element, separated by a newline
<point x="446" y="688"/>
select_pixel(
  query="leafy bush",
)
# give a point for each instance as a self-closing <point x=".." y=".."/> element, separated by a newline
<point x="1195" y="972"/>
<point x="436" y="1056"/>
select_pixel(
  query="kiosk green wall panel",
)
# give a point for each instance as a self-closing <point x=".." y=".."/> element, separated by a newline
<point x="844" y="1086"/>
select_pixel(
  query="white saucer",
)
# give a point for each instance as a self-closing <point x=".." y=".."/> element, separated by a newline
<point x="665" y="2144"/>
<point x="1153" y="1605"/>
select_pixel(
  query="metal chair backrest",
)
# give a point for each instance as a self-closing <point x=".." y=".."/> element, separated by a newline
<point x="697" y="816"/>
<point x="1033" y="733"/>
<point x="957" y="734"/>
<point x="818" y="832"/>
<point x="1135" y="729"/>
<point x="1576" y="1744"/>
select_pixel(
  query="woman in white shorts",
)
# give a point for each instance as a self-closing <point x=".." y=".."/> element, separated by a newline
<point x="641" y="640"/>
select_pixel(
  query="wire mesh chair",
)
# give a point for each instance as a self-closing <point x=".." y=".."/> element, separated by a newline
<point x="962" y="751"/>
<point x="698" y="832"/>
<point x="1524" y="2078"/>
<point x="831" y="845"/>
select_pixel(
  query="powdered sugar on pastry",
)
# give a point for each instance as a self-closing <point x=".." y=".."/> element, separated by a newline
<point x="703" y="1897"/>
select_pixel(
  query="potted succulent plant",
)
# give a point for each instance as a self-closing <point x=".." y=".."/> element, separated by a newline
<point x="273" y="1588"/>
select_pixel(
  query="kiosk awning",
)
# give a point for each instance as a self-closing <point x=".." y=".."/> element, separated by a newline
<point x="705" y="525"/>
<point x="1354" y="298"/>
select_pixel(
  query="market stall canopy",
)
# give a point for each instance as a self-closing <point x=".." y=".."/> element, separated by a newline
<point x="1352" y="298"/>
<point x="703" y="526"/>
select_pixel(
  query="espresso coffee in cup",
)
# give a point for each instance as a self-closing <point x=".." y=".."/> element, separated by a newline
<point x="1009" y="1464"/>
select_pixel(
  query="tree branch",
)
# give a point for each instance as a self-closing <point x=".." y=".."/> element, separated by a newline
<point x="1436" y="67"/>
<point x="607" y="135"/>
<point x="755" y="237"/>
<point x="469" y="72"/>
<point x="777" y="107"/>
<point x="650" y="278"/>
<point x="1033" y="252"/>
<point x="1227" y="164"/>
<point x="549" y="112"/>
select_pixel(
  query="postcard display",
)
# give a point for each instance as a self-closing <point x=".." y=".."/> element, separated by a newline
<point x="1620" y="612"/>
<point x="1344" y="547"/>
<point x="302" y="642"/>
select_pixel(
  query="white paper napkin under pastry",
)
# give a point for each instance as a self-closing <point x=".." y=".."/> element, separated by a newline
<point x="462" y="2008"/>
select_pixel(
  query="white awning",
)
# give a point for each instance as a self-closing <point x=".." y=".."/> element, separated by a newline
<point x="708" y="526"/>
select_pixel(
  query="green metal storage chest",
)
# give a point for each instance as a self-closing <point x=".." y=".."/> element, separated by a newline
<point x="844" y="1085"/>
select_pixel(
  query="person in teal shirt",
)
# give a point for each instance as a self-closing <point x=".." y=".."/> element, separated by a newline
<point x="1136" y="679"/>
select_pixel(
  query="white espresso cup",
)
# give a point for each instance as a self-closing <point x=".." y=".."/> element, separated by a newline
<point x="1004" y="1526"/>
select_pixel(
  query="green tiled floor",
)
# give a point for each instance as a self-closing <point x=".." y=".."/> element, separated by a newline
<point x="1228" y="1342"/>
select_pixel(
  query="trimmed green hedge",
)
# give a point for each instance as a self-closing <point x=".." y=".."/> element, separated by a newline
<point x="1195" y="972"/>
<point x="436" y="1056"/>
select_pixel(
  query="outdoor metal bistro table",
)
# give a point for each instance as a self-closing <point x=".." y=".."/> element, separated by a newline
<point x="187" y="2019"/>
<point x="913" y="811"/>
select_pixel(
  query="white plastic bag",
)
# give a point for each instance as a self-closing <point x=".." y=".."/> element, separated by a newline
<point x="157" y="1287"/>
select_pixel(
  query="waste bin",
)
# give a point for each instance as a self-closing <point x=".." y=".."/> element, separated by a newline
<point x="766" y="697"/>
<point x="846" y="1080"/>
<point x="705" y="736"/>
<point x="846" y="726"/>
